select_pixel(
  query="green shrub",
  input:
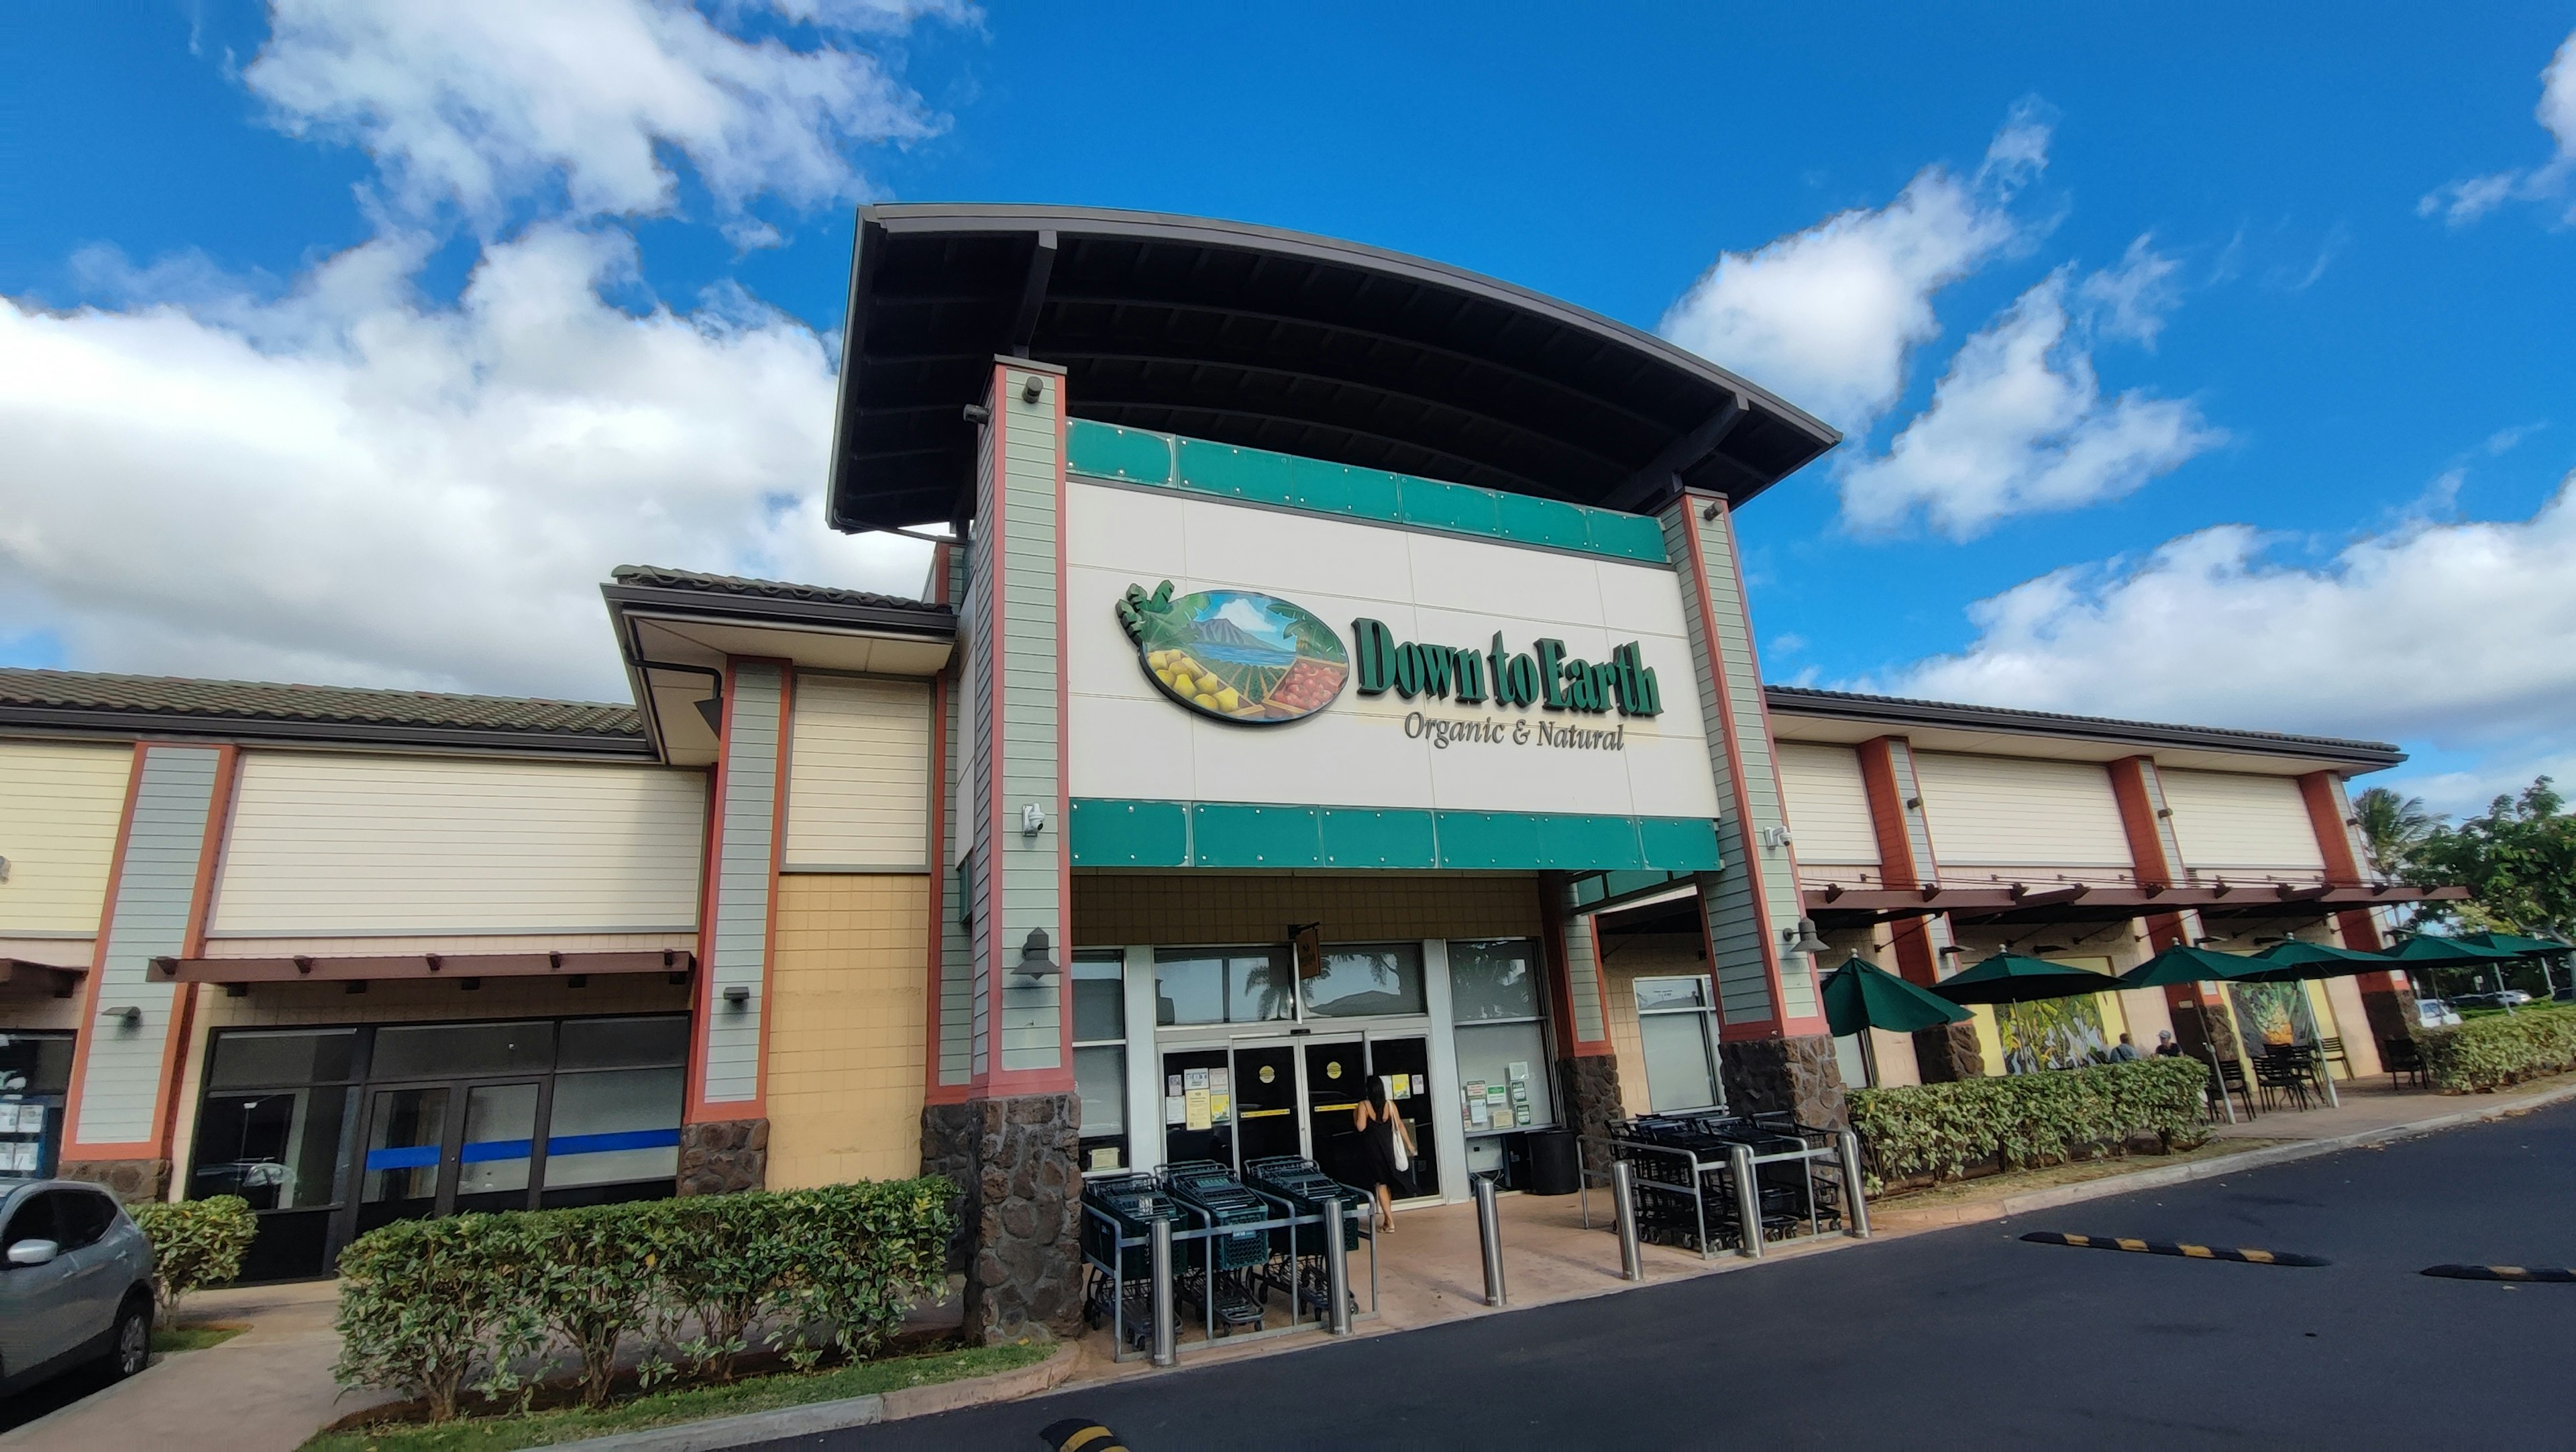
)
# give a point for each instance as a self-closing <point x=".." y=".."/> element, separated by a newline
<point x="2490" y="1052"/>
<point x="2029" y="1119"/>
<point x="429" y="1308"/>
<point x="195" y="1244"/>
<point x="432" y="1308"/>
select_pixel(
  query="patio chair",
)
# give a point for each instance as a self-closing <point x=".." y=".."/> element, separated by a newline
<point x="2330" y="1051"/>
<point x="2401" y="1059"/>
<point x="2281" y="1074"/>
<point x="2231" y="1075"/>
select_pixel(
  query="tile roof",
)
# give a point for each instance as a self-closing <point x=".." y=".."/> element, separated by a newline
<point x="659" y="577"/>
<point x="2010" y="718"/>
<point x="24" y="691"/>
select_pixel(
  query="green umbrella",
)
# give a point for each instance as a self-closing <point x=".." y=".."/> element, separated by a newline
<point x="2182" y="964"/>
<point x="2296" y="961"/>
<point x="2426" y="950"/>
<point x="1861" y="995"/>
<point x="2013" y="978"/>
<point x="2517" y="943"/>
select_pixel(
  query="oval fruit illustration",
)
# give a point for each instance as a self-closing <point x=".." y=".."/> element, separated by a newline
<point x="1234" y="654"/>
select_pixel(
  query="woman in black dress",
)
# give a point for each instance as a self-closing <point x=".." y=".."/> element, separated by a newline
<point x="1381" y="1129"/>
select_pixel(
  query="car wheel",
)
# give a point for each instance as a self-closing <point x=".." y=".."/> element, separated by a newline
<point x="132" y="1348"/>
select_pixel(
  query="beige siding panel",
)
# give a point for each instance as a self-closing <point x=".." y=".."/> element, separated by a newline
<point x="847" y="1028"/>
<point x="59" y="806"/>
<point x="858" y="779"/>
<point x="370" y="846"/>
<point x="2234" y="819"/>
<point x="2009" y="811"/>
<point x="1828" y="805"/>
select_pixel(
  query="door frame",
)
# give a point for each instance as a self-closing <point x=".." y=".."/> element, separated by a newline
<point x="451" y="1145"/>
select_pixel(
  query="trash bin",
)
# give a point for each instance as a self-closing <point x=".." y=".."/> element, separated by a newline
<point x="1555" y="1163"/>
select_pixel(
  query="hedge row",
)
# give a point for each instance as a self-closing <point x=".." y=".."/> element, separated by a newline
<point x="195" y="1243"/>
<point x="2029" y="1119"/>
<point x="491" y="1303"/>
<point x="2490" y="1052"/>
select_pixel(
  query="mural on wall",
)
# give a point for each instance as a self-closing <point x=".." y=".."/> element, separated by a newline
<point x="2271" y="1015"/>
<point x="2053" y="1033"/>
<point x="1234" y="654"/>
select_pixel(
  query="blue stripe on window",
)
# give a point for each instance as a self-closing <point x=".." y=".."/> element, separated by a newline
<point x="403" y="1157"/>
<point x="593" y="1144"/>
<point x="479" y="1151"/>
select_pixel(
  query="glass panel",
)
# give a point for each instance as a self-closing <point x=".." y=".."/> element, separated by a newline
<point x="405" y="1133"/>
<point x="35" y="1063"/>
<point x="1853" y="1060"/>
<point x="1655" y="993"/>
<point x="1493" y="980"/>
<point x="620" y="1125"/>
<point x="500" y="1134"/>
<point x="1243" y="987"/>
<point x="1336" y="1077"/>
<point x="1405" y="1065"/>
<point x="1680" y="1073"/>
<point x="280" y="1150"/>
<point x="1191" y="1128"/>
<point x="1100" y="1077"/>
<point x="247" y="1060"/>
<point x="1265" y="1102"/>
<point x="624" y="1043"/>
<point x="463" y="1050"/>
<point x="1099" y="997"/>
<point x="1379" y="979"/>
<point x="1511" y="1057"/>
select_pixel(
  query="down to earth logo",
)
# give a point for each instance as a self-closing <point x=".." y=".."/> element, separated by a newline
<point x="1236" y="655"/>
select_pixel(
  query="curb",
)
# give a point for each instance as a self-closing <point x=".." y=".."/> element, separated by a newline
<point x="2256" y="1159"/>
<point x="719" y="1433"/>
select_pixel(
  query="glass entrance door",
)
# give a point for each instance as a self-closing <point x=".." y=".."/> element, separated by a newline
<point x="1405" y="1063"/>
<point x="1267" y="1122"/>
<point x="1336" y="1080"/>
<point x="406" y="1148"/>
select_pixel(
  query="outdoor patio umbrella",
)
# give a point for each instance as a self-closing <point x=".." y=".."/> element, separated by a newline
<point x="2296" y="961"/>
<point x="2543" y="949"/>
<point x="1861" y="995"/>
<point x="2430" y="950"/>
<point x="2013" y="978"/>
<point x="2183" y="964"/>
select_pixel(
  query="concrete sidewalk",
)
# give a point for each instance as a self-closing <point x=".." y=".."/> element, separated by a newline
<point x="267" y="1389"/>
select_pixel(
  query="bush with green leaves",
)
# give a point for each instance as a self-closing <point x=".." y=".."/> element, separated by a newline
<point x="2026" y="1120"/>
<point x="434" y="1308"/>
<point x="195" y="1244"/>
<point x="2489" y="1052"/>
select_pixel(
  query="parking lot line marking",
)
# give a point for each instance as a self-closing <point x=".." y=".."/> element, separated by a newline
<point x="2200" y="1252"/>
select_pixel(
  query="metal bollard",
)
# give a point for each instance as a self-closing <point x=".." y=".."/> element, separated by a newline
<point x="1337" y="1268"/>
<point x="1166" y="1348"/>
<point x="1748" y="1201"/>
<point x="1855" y="1204"/>
<point x="1623" y="1210"/>
<point x="1489" y="1230"/>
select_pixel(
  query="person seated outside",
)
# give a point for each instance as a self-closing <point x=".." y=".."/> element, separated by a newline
<point x="2124" y="1052"/>
<point x="2166" y="1048"/>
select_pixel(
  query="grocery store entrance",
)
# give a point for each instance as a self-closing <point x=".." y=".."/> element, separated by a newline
<point x="1255" y="1098"/>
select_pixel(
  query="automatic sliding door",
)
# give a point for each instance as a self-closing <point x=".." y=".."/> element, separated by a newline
<point x="495" y="1162"/>
<point x="406" y="1150"/>
<point x="1267" y="1123"/>
<point x="1336" y="1080"/>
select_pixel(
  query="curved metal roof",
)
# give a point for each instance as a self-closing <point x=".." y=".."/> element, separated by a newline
<point x="1276" y="340"/>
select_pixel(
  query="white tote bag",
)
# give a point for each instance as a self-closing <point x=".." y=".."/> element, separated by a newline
<point x="1395" y="1134"/>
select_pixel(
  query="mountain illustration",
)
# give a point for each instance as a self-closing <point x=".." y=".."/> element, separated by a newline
<point x="1222" y="632"/>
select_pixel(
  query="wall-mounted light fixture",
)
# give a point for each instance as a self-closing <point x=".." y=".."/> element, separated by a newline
<point x="1033" y="390"/>
<point x="126" y="1015"/>
<point x="2164" y="813"/>
<point x="977" y="413"/>
<point x="1035" y="961"/>
<point x="1913" y="804"/>
<point x="4" y="869"/>
<point x="737" y="996"/>
<point x="1802" y="938"/>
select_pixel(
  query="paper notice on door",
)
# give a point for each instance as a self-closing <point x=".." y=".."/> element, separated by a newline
<point x="1517" y="1071"/>
<point x="1172" y="1085"/>
<point x="1478" y="1116"/>
<point x="1193" y="1079"/>
<point x="1219" y="1105"/>
<point x="1220" y="1081"/>
<point x="1175" y="1108"/>
<point x="1399" y="1086"/>
<point x="1195" y="1110"/>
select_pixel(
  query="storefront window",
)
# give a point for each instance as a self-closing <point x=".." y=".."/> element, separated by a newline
<point x="1100" y="1057"/>
<point x="1198" y="986"/>
<point x="614" y="1125"/>
<point x="1501" y="1036"/>
<point x="1369" y="979"/>
<point x="460" y="1050"/>
<point x="1675" y="1025"/>
<point x="275" y="1137"/>
<point x="35" y="1070"/>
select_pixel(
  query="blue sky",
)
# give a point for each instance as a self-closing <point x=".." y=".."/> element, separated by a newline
<point x="356" y="343"/>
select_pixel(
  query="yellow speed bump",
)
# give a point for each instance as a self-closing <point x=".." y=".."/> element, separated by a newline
<point x="1077" y="1434"/>
<point x="2168" y="1247"/>
<point x="2546" y="1274"/>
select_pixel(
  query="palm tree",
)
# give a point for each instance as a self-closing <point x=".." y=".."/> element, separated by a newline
<point x="2393" y="826"/>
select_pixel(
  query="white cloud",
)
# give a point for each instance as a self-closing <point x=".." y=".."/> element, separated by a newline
<point x="349" y="483"/>
<point x="2462" y="202"/>
<point x="2461" y="635"/>
<point x="471" y="103"/>
<point x="1825" y="317"/>
<point x="2130" y="301"/>
<point x="2019" y="425"/>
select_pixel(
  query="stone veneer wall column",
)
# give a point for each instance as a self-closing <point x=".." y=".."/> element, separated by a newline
<point x="1905" y="860"/>
<point x="1776" y="1052"/>
<point x="1002" y="1120"/>
<point x="2388" y="999"/>
<point x="1587" y="1064"/>
<point x="724" y="1138"/>
<point x="126" y="1069"/>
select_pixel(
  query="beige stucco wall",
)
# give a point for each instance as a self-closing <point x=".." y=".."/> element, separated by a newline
<point x="848" y="989"/>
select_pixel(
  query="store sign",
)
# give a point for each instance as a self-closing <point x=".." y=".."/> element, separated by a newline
<point x="1235" y="655"/>
<point x="1543" y="676"/>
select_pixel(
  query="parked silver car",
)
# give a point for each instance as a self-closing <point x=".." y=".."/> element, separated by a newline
<point x="75" y="1283"/>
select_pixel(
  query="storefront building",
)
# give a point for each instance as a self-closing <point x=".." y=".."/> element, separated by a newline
<point x="1339" y="671"/>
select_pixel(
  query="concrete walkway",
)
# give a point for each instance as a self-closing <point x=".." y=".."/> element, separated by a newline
<point x="265" y="1390"/>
